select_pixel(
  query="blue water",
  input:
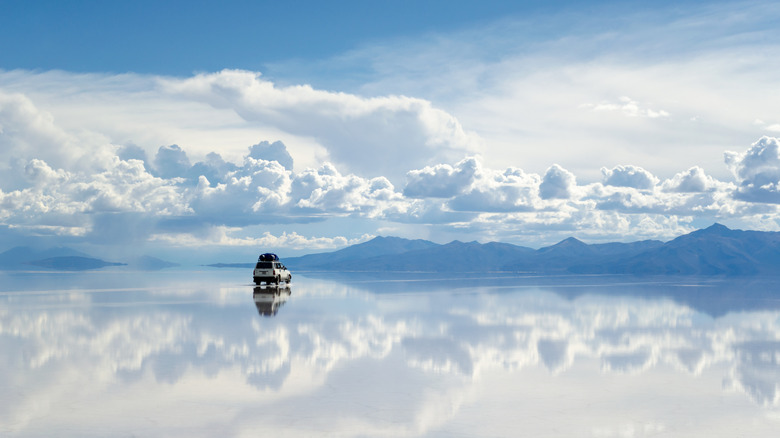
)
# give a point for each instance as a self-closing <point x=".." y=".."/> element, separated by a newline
<point x="204" y="353"/>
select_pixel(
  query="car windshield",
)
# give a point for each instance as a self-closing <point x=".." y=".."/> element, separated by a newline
<point x="263" y="265"/>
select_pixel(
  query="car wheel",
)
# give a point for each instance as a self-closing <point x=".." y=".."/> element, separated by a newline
<point x="277" y="280"/>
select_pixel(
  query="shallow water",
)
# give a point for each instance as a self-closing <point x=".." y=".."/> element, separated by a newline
<point x="204" y="353"/>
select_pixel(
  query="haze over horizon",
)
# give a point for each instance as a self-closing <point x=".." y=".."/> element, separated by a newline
<point x="180" y="130"/>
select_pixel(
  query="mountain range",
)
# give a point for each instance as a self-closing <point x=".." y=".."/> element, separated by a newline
<point x="716" y="250"/>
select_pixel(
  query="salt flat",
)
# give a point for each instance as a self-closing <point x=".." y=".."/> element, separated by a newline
<point x="203" y="353"/>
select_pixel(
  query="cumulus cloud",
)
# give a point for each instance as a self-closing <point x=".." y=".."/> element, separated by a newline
<point x="171" y="162"/>
<point x="557" y="183"/>
<point x="25" y="131"/>
<point x="28" y="133"/>
<point x="470" y="187"/>
<point x="442" y="180"/>
<point x="261" y="191"/>
<point x="275" y="151"/>
<point x="214" y="168"/>
<point x="119" y="204"/>
<point x="255" y="188"/>
<point x="131" y="152"/>
<point x="327" y="190"/>
<point x="495" y="191"/>
<point x="757" y="171"/>
<point x="629" y="176"/>
<point x="694" y="180"/>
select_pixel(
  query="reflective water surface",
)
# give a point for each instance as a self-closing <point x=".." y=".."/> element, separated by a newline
<point x="181" y="353"/>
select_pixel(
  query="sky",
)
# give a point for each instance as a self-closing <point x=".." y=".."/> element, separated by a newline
<point x="204" y="131"/>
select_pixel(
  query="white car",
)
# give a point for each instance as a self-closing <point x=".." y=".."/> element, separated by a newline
<point x="270" y="270"/>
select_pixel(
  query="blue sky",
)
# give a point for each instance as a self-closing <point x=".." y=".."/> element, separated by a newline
<point x="226" y="127"/>
<point x="182" y="37"/>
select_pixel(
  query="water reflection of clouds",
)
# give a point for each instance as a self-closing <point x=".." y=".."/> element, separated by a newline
<point x="367" y="363"/>
<point x="757" y="371"/>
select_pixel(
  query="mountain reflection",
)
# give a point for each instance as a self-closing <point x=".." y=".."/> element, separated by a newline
<point x="268" y="299"/>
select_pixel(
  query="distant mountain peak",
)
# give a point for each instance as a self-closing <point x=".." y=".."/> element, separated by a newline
<point x="713" y="230"/>
<point x="717" y="228"/>
<point x="570" y="241"/>
<point x="461" y="244"/>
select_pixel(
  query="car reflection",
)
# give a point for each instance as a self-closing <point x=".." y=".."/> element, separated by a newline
<point x="269" y="299"/>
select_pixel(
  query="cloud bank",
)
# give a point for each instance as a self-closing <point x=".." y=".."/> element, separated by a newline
<point x="423" y="178"/>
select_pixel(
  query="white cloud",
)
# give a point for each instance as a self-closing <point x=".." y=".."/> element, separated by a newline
<point x="757" y="171"/>
<point x="694" y="180"/>
<point x="275" y="151"/>
<point x="495" y="191"/>
<point x="171" y="161"/>
<point x="326" y="190"/>
<point x="64" y="200"/>
<point x="627" y="107"/>
<point x="258" y="186"/>
<point x="629" y="176"/>
<point x="370" y="136"/>
<point x="441" y="180"/>
<point x="28" y="133"/>
<point x="470" y="187"/>
<point x="557" y="183"/>
<point x="40" y="174"/>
